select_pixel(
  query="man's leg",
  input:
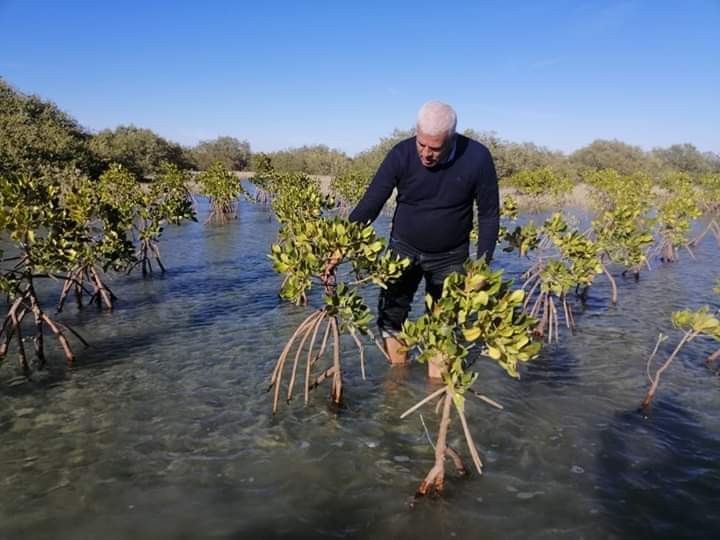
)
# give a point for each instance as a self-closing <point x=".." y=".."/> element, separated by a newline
<point x="394" y="348"/>
<point x="393" y="308"/>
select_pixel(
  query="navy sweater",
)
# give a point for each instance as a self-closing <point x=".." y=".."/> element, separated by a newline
<point x="434" y="206"/>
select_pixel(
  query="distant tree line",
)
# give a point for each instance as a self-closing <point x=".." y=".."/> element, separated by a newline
<point x="35" y="134"/>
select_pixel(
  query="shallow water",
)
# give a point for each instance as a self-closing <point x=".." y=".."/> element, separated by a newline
<point x="163" y="428"/>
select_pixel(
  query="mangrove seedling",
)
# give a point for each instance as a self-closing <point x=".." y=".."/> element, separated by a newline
<point x="710" y="202"/>
<point x="167" y="201"/>
<point x="301" y="255"/>
<point x="675" y="217"/>
<point x="102" y="243"/>
<point x="573" y="263"/>
<point x="45" y="238"/>
<point x="223" y="189"/>
<point x="477" y="309"/>
<point x="701" y="322"/>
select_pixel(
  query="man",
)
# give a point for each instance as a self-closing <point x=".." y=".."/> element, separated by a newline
<point x="438" y="174"/>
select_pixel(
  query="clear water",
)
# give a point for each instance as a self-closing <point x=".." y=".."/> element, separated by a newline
<point x="163" y="428"/>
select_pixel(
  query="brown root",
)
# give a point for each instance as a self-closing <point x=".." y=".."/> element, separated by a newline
<point x="435" y="479"/>
<point x="655" y="380"/>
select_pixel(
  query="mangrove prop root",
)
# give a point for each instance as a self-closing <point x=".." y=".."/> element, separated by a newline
<point x="21" y="348"/>
<point x="469" y="440"/>
<point x="277" y="373"/>
<point x="310" y="359"/>
<point x="38" y="340"/>
<point x="549" y="323"/>
<point x="74" y="282"/>
<point x="336" y="388"/>
<point x="362" y="352"/>
<point x="423" y="402"/>
<point x="457" y="461"/>
<point x="714" y="357"/>
<point x="304" y="340"/>
<point x="296" y="360"/>
<point x="320" y="378"/>
<point x="613" y="285"/>
<point x="11" y="324"/>
<point x="69" y="356"/>
<point x="378" y="344"/>
<point x="100" y="288"/>
<point x="286" y="350"/>
<point x="436" y="477"/>
<point x="486" y="399"/>
<point x="27" y="302"/>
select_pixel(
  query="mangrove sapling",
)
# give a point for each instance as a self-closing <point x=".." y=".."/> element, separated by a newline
<point x="167" y="201"/>
<point x="301" y="255"/>
<point x="46" y="238"/>
<point x="623" y="228"/>
<point x="701" y="322"/>
<point x="263" y="179"/>
<point x="676" y="212"/>
<point x="571" y="262"/>
<point x="223" y="189"/>
<point x="624" y="236"/>
<point x="710" y="201"/>
<point x="477" y="309"/>
<point x="101" y="244"/>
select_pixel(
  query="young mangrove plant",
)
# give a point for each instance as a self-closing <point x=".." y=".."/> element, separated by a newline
<point x="476" y="310"/>
<point x="571" y="262"/>
<point x="167" y="201"/>
<point x="676" y="212"/>
<point x="694" y="324"/>
<point x="223" y="189"/>
<point x="263" y="178"/>
<point x="104" y="243"/>
<point x="624" y="236"/>
<point x="301" y="255"/>
<point x="306" y="241"/>
<point x="623" y="228"/>
<point x="710" y="202"/>
<point x="46" y="239"/>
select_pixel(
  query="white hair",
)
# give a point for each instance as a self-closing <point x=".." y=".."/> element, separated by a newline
<point x="436" y="118"/>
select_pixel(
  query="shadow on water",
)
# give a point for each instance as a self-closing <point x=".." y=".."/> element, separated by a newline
<point x="108" y="351"/>
<point x="659" y="474"/>
<point x="556" y="367"/>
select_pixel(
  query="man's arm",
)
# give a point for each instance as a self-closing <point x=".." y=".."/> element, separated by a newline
<point x="488" y="210"/>
<point x="379" y="190"/>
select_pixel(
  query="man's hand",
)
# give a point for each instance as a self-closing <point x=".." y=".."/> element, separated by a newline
<point x="330" y="265"/>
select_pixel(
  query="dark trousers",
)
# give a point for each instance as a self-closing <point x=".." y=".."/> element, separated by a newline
<point x="396" y="300"/>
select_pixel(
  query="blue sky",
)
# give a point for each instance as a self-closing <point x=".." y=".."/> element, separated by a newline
<point x="280" y="74"/>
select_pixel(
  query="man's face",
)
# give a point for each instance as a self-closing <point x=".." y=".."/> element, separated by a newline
<point x="433" y="149"/>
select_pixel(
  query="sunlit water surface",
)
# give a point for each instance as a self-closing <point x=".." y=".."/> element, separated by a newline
<point x="163" y="428"/>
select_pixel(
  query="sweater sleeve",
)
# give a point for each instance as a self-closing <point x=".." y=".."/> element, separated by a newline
<point x="380" y="189"/>
<point x="488" y="210"/>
